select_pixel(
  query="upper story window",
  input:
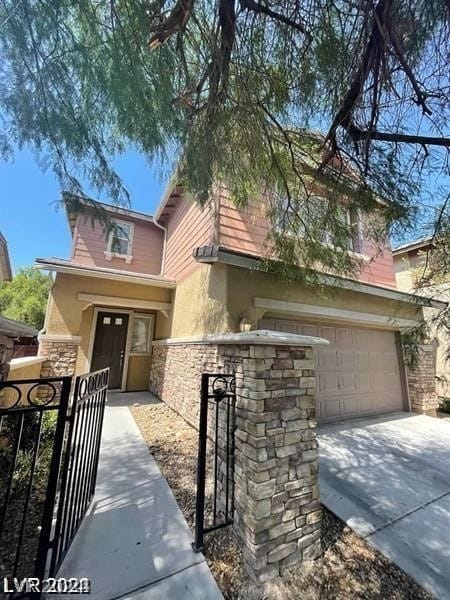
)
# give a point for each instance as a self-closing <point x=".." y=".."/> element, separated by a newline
<point x="120" y="241"/>
<point x="316" y="218"/>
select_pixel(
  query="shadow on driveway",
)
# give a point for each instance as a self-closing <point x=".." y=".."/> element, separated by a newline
<point x="388" y="478"/>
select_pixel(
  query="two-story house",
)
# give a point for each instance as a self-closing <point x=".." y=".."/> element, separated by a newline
<point x="142" y="298"/>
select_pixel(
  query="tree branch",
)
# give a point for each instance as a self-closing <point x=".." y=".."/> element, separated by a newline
<point x="359" y="134"/>
<point x="256" y="7"/>
<point x="175" y="22"/>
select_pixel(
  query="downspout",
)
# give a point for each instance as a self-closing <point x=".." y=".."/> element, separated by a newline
<point x="163" y="258"/>
<point x="43" y="331"/>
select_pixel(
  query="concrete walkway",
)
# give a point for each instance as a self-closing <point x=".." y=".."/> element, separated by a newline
<point x="135" y="542"/>
<point x="388" y="478"/>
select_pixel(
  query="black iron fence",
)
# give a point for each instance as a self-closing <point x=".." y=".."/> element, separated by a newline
<point x="79" y="471"/>
<point x="215" y="471"/>
<point x="49" y="449"/>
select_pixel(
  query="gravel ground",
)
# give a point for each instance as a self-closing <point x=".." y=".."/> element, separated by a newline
<point x="349" y="568"/>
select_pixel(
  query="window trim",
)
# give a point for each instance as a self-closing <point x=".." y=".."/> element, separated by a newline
<point x="348" y="212"/>
<point x="150" y="332"/>
<point x="109" y="253"/>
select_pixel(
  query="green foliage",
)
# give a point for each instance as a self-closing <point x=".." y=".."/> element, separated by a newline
<point x="410" y="340"/>
<point x="444" y="405"/>
<point x="233" y="91"/>
<point x="24" y="298"/>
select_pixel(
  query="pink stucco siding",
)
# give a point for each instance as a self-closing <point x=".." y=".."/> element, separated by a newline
<point x="188" y="227"/>
<point x="90" y="245"/>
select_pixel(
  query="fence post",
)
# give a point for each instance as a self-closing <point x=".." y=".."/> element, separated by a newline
<point x="52" y="486"/>
<point x="277" y="509"/>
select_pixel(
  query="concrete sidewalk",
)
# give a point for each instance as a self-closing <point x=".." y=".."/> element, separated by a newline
<point x="135" y="542"/>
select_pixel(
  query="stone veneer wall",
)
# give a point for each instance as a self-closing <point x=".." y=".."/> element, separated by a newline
<point x="61" y="358"/>
<point x="175" y="376"/>
<point x="6" y="354"/>
<point x="277" y="507"/>
<point x="422" y="381"/>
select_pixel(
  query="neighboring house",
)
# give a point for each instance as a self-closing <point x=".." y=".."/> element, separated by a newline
<point x="5" y="264"/>
<point x="137" y="299"/>
<point x="10" y="331"/>
<point x="409" y="262"/>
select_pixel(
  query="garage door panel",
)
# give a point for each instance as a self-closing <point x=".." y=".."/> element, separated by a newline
<point x="330" y="409"/>
<point x="344" y="336"/>
<point x="361" y="338"/>
<point x="329" y="333"/>
<point x="362" y="361"/>
<point x="350" y="405"/>
<point x="346" y="359"/>
<point x="366" y="402"/>
<point x="310" y="330"/>
<point x="347" y="382"/>
<point x="357" y="374"/>
<point x="390" y="361"/>
<point x="328" y="359"/>
<point x="363" y="382"/>
<point x="328" y="382"/>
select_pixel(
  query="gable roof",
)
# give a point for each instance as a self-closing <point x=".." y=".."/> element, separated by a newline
<point x="116" y="211"/>
<point x="5" y="263"/>
<point x="414" y="245"/>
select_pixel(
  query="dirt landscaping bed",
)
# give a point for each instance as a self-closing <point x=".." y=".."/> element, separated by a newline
<point x="349" y="567"/>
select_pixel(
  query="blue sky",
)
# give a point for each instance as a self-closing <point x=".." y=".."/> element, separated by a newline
<point x="30" y="219"/>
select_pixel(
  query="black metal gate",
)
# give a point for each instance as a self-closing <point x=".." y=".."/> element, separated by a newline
<point x="49" y="450"/>
<point x="215" y="470"/>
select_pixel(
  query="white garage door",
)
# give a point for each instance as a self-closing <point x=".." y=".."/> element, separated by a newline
<point x="357" y="374"/>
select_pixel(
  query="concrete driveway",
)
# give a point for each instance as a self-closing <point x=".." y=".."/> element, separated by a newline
<point x="388" y="478"/>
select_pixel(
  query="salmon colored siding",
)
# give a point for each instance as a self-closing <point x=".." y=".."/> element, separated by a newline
<point x="241" y="230"/>
<point x="188" y="227"/>
<point x="380" y="266"/>
<point x="247" y="231"/>
<point x="90" y="244"/>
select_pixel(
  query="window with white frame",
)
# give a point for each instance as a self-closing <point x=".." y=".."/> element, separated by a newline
<point x="120" y="240"/>
<point x="142" y="334"/>
<point x="313" y="213"/>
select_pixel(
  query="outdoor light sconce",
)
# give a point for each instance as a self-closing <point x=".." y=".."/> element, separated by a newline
<point x="245" y="324"/>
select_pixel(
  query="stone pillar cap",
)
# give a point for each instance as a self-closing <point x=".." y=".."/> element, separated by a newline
<point x="266" y="337"/>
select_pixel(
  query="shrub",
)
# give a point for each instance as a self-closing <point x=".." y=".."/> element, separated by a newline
<point x="444" y="405"/>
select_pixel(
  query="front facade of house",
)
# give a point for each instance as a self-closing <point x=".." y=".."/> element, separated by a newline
<point x="409" y="262"/>
<point x="143" y="298"/>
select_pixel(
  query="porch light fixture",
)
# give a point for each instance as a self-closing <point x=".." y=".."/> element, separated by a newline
<point x="245" y="324"/>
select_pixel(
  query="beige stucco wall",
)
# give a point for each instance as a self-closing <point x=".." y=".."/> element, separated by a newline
<point x="214" y="297"/>
<point x="65" y="316"/>
<point x="21" y="368"/>
<point x="199" y="303"/>
<point x="65" y="312"/>
<point x="244" y="285"/>
<point x="138" y="373"/>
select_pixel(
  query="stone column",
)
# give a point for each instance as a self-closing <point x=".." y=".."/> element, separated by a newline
<point x="61" y="353"/>
<point x="422" y="381"/>
<point x="277" y="508"/>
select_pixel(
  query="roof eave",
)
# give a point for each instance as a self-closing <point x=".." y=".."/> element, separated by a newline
<point x="212" y="254"/>
<point x="136" y="278"/>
